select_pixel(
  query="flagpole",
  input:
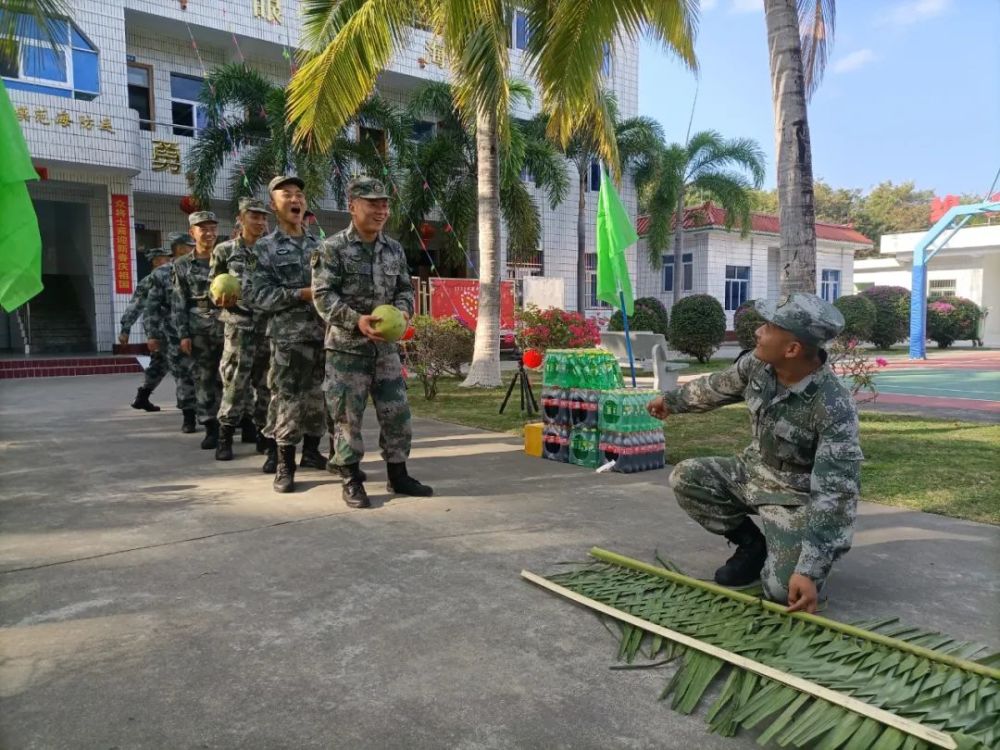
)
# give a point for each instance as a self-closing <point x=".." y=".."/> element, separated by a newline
<point x="628" y="337"/>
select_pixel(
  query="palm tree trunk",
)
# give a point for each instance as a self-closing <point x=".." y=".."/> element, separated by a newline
<point x="679" y="247"/>
<point x="581" y="246"/>
<point x="485" y="368"/>
<point x="796" y="211"/>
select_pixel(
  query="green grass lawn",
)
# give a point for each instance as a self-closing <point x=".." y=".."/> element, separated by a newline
<point x="934" y="465"/>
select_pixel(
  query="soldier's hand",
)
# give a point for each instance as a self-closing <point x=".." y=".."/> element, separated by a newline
<point x="306" y="294"/>
<point x="123" y="338"/>
<point x="366" y="324"/>
<point x="802" y="594"/>
<point x="185" y="346"/>
<point x="658" y="408"/>
<point x="226" y="300"/>
<point x="153" y="345"/>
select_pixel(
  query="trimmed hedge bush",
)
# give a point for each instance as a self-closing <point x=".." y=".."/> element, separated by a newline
<point x="649" y="315"/>
<point x="951" y="319"/>
<point x="697" y="326"/>
<point x="859" y="316"/>
<point x="746" y="320"/>
<point x="892" y="314"/>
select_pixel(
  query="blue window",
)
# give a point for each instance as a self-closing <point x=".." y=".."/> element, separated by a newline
<point x="606" y="62"/>
<point x="188" y="113"/>
<point x="829" y="287"/>
<point x="520" y="31"/>
<point x="595" y="176"/>
<point x="668" y="272"/>
<point x="737" y="286"/>
<point x="70" y="70"/>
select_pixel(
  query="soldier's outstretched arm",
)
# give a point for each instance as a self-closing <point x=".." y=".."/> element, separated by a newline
<point x="715" y="390"/>
<point x="327" y="277"/>
<point x="835" y="487"/>
<point x="133" y="310"/>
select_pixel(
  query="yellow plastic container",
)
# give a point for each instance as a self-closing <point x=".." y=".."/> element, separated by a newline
<point x="533" y="439"/>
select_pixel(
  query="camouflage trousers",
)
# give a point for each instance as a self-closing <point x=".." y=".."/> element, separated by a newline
<point x="295" y="378"/>
<point x="206" y="353"/>
<point x="245" y="358"/>
<point x="179" y="367"/>
<point x="713" y="491"/>
<point x="350" y="379"/>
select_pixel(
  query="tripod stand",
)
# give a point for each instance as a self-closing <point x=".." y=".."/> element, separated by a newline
<point x="528" y="403"/>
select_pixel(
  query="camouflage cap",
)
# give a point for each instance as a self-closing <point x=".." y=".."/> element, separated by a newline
<point x="202" y="217"/>
<point x="366" y="187"/>
<point x="157" y="252"/>
<point x="812" y="320"/>
<point x="180" y="238"/>
<point x="284" y="179"/>
<point x="253" y="204"/>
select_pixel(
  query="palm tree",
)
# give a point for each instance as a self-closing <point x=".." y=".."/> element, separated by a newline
<point x="709" y="166"/>
<point x="246" y="118"/>
<point x="636" y="140"/>
<point x="348" y="42"/>
<point x="16" y="15"/>
<point x="441" y="174"/>
<point x="799" y="37"/>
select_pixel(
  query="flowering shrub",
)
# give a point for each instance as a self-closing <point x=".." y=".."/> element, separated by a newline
<point x="951" y="319"/>
<point x="439" y="347"/>
<point x="746" y="321"/>
<point x="854" y="364"/>
<point x="892" y="314"/>
<point x="554" y="329"/>
<point x="859" y="316"/>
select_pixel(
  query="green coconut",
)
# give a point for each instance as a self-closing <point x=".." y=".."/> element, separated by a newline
<point x="225" y="284"/>
<point x="392" y="323"/>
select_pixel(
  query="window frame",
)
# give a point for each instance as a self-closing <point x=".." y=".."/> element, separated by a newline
<point x="736" y="289"/>
<point x="825" y="284"/>
<point x="519" y="15"/>
<point x="196" y="107"/>
<point x="62" y="50"/>
<point x="593" y="303"/>
<point x="152" y="94"/>
<point x="687" y="272"/>
<point x="594" y="176"/>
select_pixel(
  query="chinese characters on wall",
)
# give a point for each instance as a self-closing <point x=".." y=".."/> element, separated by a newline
<point x="166" y="157"/>
<point x="122" y="245"/>
<point x="269" y="10"/>
<point x="63" y="119"/>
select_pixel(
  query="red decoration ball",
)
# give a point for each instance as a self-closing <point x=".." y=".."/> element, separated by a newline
<point x="427" y="231"/>
<point x="409" y="334"/>
<point x="189" y="204"/>
<point x="532" y="359"/>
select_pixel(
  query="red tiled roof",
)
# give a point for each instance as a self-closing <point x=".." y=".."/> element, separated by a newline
<point x="710" y="215"/>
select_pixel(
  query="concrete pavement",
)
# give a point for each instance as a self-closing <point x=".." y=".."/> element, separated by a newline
<point x="151" y="597"/>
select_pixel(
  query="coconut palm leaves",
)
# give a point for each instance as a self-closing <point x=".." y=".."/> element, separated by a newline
<point x="246" y="120"/>
<point x="17" y="16"/>
<point x="925" y="678"/>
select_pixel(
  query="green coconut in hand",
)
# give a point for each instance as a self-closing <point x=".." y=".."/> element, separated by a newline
<point x="391" y="323"/>
<point x="225" y="285"/>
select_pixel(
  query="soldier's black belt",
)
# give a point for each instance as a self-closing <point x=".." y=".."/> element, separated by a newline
<point x="787" y="466"/>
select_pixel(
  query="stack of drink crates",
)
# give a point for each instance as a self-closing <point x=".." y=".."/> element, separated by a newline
<point x="589" y="419"/>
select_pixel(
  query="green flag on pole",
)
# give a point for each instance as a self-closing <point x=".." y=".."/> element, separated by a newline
<point x="20" y="241"/>
<point x="615" y="232"/>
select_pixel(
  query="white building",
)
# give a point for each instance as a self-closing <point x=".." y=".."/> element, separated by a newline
<point x="734" y="269"/>
<point x="110" y="118"/>
<point x="968" y="266"/>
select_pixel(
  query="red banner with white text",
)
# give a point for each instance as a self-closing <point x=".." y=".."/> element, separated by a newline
<point x="459" y="298"/>
<point x="122" y="243"/>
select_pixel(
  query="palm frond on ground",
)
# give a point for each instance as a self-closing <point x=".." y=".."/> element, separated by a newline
<point x="915" y="674"/>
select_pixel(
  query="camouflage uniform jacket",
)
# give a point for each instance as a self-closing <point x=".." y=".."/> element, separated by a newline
<point x="156" y="313"/>
<point x="805" y="449"/>
<point x="193" y="310"/>
<point x="137" y="304"/>
<point x="282" y="270"/>
<point x="237" y="258"/>
<point x="350" y="280"/>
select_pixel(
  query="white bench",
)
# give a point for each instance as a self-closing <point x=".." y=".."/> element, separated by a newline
<point x="649" y="350"/>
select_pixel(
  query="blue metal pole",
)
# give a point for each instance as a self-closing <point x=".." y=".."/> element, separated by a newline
<point x="628" y="338"/>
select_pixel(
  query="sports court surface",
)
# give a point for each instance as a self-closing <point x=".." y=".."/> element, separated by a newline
<point x="963" y="381"/>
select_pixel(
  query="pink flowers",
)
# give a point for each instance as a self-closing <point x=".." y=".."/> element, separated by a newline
<point x="555" y="329"/>
<point x="941" y="307"/>
<point x="881" y="361"/>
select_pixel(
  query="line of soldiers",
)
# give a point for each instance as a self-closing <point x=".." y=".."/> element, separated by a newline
<point x="296" y="354"/>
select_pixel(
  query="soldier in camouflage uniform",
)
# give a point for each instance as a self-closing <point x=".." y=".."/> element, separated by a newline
<point x="246" y="352"/>
<point x="801" y="473"/>
<point x="280" y="289"/>
<point x="157" y="368"/>
<point x="355" y="271"/>
<point x="196" y="319"/>
<point x="181" y="243"/>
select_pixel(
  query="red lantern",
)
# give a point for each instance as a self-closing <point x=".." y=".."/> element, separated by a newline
<point x="427" y="231"/>
<point x="532" y="359"/>
<point x="189" y="204"/>
<point x="409" y="334"/>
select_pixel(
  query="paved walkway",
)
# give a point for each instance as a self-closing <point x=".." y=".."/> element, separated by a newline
<point x="154" y="598"/>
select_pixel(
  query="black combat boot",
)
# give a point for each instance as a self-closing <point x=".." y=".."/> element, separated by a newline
<point x="224" y="450"/>
<point x="248" y="431"/>
<point x="271" y="462"/>
<point x="353" y="491"/>
<point x="190" y="424"/>
<point x="261" y="440"/>
<point x="344" y="472"/>
<point x="744" y="567"/>
<point x="284" y="477"/>
<point x="142" y="401"/>
<point x="311" y="457"/>
<point x="211" y="439"/>
<point x="403" y="484"/>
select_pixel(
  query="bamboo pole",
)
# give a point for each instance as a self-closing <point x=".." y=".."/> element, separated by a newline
<point x="952" y="661"/>
<point x="910" y="727"/>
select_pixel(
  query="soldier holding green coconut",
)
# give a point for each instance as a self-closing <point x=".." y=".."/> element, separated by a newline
<point x="355" y="272"/>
